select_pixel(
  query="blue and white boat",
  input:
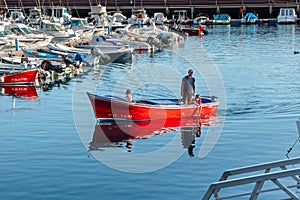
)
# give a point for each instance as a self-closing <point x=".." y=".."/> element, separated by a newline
<point x="39" y="54"/>
<point x="249" y="18"/>
<point x="221" y="19"/>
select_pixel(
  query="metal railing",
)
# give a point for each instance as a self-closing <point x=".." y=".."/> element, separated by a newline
<point x="282" y="172"/>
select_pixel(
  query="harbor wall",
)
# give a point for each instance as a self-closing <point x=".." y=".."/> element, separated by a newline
<point x="264" y="8"/>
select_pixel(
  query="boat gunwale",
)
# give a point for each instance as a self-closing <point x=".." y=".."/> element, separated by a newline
<point x="157" y="106"/>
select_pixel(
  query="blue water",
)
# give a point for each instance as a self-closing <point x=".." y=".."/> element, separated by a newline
<point x="252" y="69"/>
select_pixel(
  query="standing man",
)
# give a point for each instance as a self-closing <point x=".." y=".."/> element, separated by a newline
<point x="188" y="87"/>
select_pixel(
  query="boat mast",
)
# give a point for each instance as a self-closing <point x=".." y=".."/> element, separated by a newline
<point x="38" y="3"/>
<point x="22" y="7"/>
<point x="5" y="3"/>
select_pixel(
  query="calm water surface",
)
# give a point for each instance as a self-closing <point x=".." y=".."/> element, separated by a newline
<point x="44" y="142"/>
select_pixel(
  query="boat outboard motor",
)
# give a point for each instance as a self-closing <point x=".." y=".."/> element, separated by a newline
<point x="154" y="41"/>
<point x="163" y="37"/>
<point x="97" y="52"/>
<point x="99" y="56"/>
<point x="47" y="66"/>
<point x="79" y="59"/>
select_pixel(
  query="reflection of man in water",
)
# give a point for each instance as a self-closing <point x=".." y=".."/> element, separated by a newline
<point x="129" y="145"/>
<point x="188" y="138"/>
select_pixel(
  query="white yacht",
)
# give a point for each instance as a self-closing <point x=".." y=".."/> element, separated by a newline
<point x="159" y="18"/>
<point x="57" y="31"/>
<point x="287" y="16"/>
<point x="139" y="16"/>
<point x="60" y="15"/>
<point x="35" y="14"/>
<point x="103" y="19"/>
<point x="16" y="15"/>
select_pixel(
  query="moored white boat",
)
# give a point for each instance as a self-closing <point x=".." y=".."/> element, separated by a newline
<point x="96" y="55"/>
<point x="287" y="16"/>
<point x="139" y="17"/>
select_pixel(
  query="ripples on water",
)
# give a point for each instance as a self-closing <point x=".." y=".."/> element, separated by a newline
<point x="42" y="156"/>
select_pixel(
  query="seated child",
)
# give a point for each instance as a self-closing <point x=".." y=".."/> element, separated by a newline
<point x="128" y="95"/>
<point x="197" y="100"/>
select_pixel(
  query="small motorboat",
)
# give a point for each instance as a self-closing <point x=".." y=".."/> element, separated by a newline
<point x="195" y="31"/>
<point x="201" y="18"/>
<point x="19" y="77"/>
<point x="221" y="19"/>
<point x="40" y="54"/>
<point x="249" y="18"/>
<point x="287" y="16"/>
<point x="111" y="107"/>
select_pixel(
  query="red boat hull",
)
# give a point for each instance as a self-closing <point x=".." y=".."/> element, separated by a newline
<point x="23" y="77"/>
<point x="192" y="31"/>
<point x="113" y="108"/>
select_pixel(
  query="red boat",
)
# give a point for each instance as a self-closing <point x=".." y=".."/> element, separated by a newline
<point x="110" y="107"/>
<point x="107" y="134"/>
<point x="20" y="77"/>
<point x="19" y="90"/>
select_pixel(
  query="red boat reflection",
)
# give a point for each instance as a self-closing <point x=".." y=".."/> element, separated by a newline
<point x="121" y="134"/>
<point x="19" y="90"/>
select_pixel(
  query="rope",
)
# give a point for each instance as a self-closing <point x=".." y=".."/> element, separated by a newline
<point x="290" y="149"/>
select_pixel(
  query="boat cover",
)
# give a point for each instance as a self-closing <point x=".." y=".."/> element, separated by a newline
<point x="250" y="16"/>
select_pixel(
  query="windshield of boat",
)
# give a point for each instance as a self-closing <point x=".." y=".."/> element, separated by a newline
<point x="79" y="22"/>
<point x="26" y="30"/>
<point x="17" y="30"/>
<point x="5" y="33"/>
<point x="159" y="15"/>
<point x="35" y="13"/>
<point x="53" y="27"/>
<point x="180" y="14"/>
<point x="221" y="17"/>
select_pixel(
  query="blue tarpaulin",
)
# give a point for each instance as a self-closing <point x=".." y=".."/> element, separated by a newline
<point x="80" y="57"/>
<point x="250" y="16"/>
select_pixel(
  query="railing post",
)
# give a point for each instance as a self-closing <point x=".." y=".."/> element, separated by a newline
<point x="298" y="126"/>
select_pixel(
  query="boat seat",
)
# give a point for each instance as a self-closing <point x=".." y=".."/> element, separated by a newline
<point x="114" y="98"/>
<point x="205" y="100"/>
<point x="160" y="102"/>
